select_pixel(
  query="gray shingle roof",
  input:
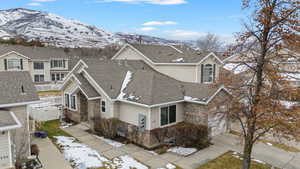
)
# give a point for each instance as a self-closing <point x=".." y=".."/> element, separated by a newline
<point x="170" y="54"/>
<point x="6" y="119"/>
<point x="11" y="87"/>
<point x="87" y="88"/>
<point x="146" y="86"/>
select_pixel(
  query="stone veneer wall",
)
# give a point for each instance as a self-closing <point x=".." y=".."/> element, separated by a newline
<point x="195" y="113"/>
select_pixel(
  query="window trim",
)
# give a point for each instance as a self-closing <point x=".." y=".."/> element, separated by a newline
<point x="19" y="61"/>
<point x="39" y="63"/>
<point x="58" y="66"/>
<point x="176" y="115"/>
<point x="65" y="97"/>
<point x="39" y="75"/>
<point x="212" y="73"/>
<point x="101" y="106"/>
<point x="75" y="100"/>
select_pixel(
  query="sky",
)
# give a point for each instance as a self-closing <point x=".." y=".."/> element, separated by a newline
<point x="172" y="19"/>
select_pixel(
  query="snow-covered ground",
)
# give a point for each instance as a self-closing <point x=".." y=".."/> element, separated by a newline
<point x="83" y="157"/>
<point x="182" y="151"/>
<point x="169" y="166"/>
<point x="110" y="142"/>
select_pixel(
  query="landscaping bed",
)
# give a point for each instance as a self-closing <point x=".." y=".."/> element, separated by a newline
<point x="233" y="160"/>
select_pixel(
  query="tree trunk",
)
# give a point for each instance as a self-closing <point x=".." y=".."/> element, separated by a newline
<point x="247" y="153"/>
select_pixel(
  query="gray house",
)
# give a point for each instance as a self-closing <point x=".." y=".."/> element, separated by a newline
<point x="17" y="91"/>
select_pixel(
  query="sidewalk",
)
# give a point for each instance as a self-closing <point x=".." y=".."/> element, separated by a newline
<point x="50" y="156"/>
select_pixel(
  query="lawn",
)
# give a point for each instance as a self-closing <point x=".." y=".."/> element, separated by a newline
<point x="230" y="160"/>
<point x="53" y="129"/>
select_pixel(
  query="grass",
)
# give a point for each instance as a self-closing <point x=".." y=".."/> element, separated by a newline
<point x="52" y="128"/>
<point x="229" y="161"/>
<point x="274" y="143"/>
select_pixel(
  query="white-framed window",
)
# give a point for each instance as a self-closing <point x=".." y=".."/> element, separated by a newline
<point x="38" y="65"/>
<point x="57" y="76"/>
<point x="67" y="100"/>
<point x="167" y="115"/>
<point x="14" y="64"/>
<point x="58" y="64"/>
<point x="208" y="73"/>
<point x="73" y="102"/>
<point x="103" y="106"/>
<point x="39" y="78"/>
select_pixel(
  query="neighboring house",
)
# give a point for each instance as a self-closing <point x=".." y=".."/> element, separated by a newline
<point x="45" y="64"/>
<point x="17" y="91"/>
<point x="141" y="98"/>
<point x="180" y="62"/>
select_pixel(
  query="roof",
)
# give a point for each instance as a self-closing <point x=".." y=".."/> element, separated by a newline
<point x="11" y="87"/>
<point x="87" y="88"/>
<point x="8" y="121"/>
<point x="170" y="54"/>
<point x="141" y="84"/>
<point x="33" y="52"/>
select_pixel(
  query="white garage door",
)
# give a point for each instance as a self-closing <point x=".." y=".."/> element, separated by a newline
<point x="217" y="123"/>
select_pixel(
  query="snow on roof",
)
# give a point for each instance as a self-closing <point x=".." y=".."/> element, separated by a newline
<point x="127" y="79"/>
<point x="178" y="60"/>
<point x="291" y="76"/>
<point x="236" y="68"/>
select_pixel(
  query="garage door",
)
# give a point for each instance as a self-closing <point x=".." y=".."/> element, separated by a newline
<point x="217" y="123"/>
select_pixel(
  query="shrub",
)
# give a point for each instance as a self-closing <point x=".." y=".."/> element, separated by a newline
<point x="191" y="135"/>
<point x="107" y="127"/>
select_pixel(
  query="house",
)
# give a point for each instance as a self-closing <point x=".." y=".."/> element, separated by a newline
<point x="180" y="62"/>
<point x="142" y="98"/>
<point x="17" y="91"/>
<point x="45" y="64"/>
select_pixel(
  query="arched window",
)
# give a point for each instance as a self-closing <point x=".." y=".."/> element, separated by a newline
<point x="208" y="73"/>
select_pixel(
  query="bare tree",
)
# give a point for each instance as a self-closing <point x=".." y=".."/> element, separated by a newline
<point x="255" y="103"/>
<point x="210" y="42"/>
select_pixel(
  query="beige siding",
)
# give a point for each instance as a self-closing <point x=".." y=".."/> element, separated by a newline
<point x="129" y="113"/>
<point x="155" y="115"/>
<point x="129" y="54"/>
<point x="14" y="56"/>
<point x="180" y="72"/>
<point x="209" y="60"/>
<point x="45" y="71"/>
<point x="5" y="158"/>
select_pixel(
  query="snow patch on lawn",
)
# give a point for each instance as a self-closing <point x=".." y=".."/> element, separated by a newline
<point x="110" y="142"/>
<point x="182" y="151"/>
<point x="169" y="166"/>
<point x="80" y="155"/>
<point x="127" y="79"/>
<point x="127" y="162"/>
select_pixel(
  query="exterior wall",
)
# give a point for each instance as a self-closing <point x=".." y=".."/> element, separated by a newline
<point x="180" y="72"/>
<point x="21" y="136"/>
<point x="5" y="156"/>
<point x="45" y="71"/>
<point x="196" y="113"/>
<point x="14" y="56"/>
<point x="209" y="60"/>
<point x="93" y="108"/>
<point x="129" y="113"/>
<point x="129" y="54"/>
<point x="155" y="116"/>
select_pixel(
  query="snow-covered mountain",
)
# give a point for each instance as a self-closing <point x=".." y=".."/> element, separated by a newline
<point x="58" y="31"/>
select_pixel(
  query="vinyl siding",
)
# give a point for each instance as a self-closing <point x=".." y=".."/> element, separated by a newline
<point x="5" y="158"/>
<point x="45" y="71"/>
<point x="14" y="56"/>
<point x="209" y="60"/>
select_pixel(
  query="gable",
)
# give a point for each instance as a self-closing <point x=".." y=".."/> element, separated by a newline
<point x="14" y="55"/>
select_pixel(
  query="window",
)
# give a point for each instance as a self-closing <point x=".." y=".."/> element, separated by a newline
<point x="67" y="100"/>
<point x="167" y="115"/>
<point x="73" y="102"/>
<point x="39" y="78"/>
<point x="57" y="76"/>
<point x="208" y="73"/>
<point x="38" y="65"/>
<point x="103" y="106"/>
<point x="58" y="63"/>
<point x="14" y="64"/>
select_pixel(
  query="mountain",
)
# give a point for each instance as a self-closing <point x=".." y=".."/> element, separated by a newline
<point x="57" y="31"/>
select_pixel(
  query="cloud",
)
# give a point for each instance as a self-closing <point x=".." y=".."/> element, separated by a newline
<point x="34" y="4"/>
<point x="194" y="35"/>
<point x="147" y="29"/>
<point x="158" y="23"/>
<point x="155" y="2"/>
<point x="43" y="0"/>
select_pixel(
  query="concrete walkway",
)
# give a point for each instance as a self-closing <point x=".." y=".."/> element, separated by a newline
<point x="221" y="144"/>
<point x="50" y="156"/>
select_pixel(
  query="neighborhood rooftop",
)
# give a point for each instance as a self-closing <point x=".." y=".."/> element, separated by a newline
<point x="144" y="85"/>
<point x="8" y="120"/>
<point x="16" y="87"/>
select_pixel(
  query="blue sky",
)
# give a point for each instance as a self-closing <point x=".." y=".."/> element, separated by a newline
<point x="173" y="19"/>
